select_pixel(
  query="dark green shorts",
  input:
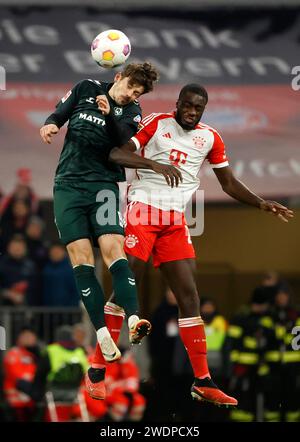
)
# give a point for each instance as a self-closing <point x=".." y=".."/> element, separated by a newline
<point x="87" y="210"/>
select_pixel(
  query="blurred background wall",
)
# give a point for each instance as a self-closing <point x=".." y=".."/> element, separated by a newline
<point x="247" y="56"/>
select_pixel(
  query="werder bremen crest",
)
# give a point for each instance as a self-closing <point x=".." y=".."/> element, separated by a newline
<point x="118" y="111"/>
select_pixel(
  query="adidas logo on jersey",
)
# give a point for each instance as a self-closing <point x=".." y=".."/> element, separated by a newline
<point x="167" y="135"/>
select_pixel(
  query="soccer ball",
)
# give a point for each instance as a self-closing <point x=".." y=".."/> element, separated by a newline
<point x="110" y="48"/>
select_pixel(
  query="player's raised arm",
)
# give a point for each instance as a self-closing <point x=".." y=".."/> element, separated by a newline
<point x="61" y="114"/>
<point x="237" y="190"/>
<point x="126" y="157"/>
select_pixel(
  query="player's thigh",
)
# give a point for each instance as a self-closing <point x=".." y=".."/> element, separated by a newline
<point x="179" y="275"/>
<point x="140" y="233"/>
<point x="104" y="212"/>
<point x="180" y="278"/>
<point x="173" y="244"/>
<point x="70" y="213"/>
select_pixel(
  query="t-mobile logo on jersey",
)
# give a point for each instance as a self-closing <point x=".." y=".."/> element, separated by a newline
<point x="177" y="157"/>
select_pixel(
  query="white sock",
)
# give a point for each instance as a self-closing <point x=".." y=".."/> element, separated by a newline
<point x="132" y="320"/>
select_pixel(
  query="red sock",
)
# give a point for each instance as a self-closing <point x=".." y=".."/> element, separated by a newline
<point x="114" y="316"/>
<point x="192" y="334"/>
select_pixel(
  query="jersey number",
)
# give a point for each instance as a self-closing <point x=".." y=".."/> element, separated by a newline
<point x="177" y="157"/>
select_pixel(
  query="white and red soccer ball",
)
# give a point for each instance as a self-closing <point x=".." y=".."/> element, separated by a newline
<point x="110" y="48"/>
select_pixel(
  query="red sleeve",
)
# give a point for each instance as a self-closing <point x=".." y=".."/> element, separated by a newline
<point x="147" y="129"/>
<point x="217" y="156"/>
<point x="12" y="366"/>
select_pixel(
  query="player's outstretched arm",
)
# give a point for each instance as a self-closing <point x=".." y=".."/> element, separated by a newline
<point x="47" y="131"/>
<point x="237" y="190"/>
<point x="125" y="156"/>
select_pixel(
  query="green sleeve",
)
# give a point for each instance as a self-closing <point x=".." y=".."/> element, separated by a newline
<point x="65" y="107"/>
<point x="122" y="131"/>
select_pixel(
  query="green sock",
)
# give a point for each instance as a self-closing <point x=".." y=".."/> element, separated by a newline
<point x="124" y="286"/>
<point x="91" y="293"/>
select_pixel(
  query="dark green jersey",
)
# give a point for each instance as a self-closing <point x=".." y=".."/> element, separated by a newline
<point x="91" y="135"/>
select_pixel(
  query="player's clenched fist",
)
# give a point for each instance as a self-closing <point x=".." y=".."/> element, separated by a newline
<point x="48" y="131"/>
<point x="103" y="104"/>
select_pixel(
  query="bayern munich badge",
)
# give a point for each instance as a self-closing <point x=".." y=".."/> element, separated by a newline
<point x="131" y="241"/>
<point x="199" y="142"/>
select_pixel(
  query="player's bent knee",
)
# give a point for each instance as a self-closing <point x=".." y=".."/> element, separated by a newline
<point x="80" y="253"/>
<point x="112" y="248"/>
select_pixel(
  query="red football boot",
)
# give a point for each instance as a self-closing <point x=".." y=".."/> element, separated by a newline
<point x="206" y="390"/>
<point x="95" y="389"/>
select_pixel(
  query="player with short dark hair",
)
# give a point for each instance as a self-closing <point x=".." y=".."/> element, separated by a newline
<point x="179" y="139"/>
<point x="86" y="194"/>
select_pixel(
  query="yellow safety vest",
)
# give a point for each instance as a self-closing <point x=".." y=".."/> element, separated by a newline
<point x="60" y="356"/>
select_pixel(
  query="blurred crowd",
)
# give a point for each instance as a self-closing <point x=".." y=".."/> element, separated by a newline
<point x="46" y="383"/>
<point x="33" y="271"/>
<point x="252" y="355"/>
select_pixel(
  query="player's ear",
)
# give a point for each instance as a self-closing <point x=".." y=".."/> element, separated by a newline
<point x="118" y="76"/>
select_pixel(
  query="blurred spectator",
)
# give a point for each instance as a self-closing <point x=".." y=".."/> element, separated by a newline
<point x="284" y="312"/>
<point x="17" y="275"/>
<point x="162" y="341"/>
<point x="250" y="337"/>
<point x="17" y="207"/>
<point x="215" y="330"/>
<point x="37" y="248"/>
<point x="22" y="191"/>
<point x="285" y="388"/>
<point x="14" y="221"/>
<point x="273" y="282"/>
<point x="81" y="338"/>
<point x="59" y="288"/>
<point x="270" y="279"/>
<point x="60" y="370"/>
<point x="122" y="381"/>
<point x="20" y="362"/>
